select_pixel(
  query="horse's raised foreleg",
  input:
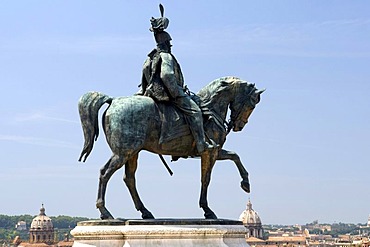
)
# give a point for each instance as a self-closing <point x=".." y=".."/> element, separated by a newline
<point x="130" y="181"/>
<point x="229" y="155"/>
<point x="208" y="160"/>
<point x="113" y="164"/>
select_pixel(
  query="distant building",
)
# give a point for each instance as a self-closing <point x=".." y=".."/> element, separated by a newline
<point x="365" y="230"/>
<point x="252" y="222"/>
<point x="365" y="242"/>
<point x="42" y="233"/>
<point x="325" y="228"/>
<point x="297" y="241"/>
<point x="42" y="229"/>
<point x="278" y="238"/>
<point x="281" y="241"/>
<point x="21" y="226"/>
<point x="256" y="242"/>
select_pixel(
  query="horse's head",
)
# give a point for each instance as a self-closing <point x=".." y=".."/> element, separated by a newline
<point x="246" y="98"/>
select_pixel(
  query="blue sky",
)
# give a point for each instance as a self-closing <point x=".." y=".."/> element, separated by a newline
<point x="306" y="145"/>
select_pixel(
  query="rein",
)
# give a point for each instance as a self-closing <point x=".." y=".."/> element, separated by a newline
<point x="235" y="116"/>
<point x="223" y="124"/>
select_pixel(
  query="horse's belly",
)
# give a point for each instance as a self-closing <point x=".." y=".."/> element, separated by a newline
<point x="182" y="146"/>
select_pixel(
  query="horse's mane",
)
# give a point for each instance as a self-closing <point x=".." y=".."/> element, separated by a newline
<point x="213" y="90"/>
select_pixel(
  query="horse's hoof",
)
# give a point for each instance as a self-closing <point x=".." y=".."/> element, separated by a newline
<point x="106" y="217"/>
<point x="105" y="214"/>
<point x="147" y="215"/>
<point x="210" y="216"/>
<point x="245" y="186"/>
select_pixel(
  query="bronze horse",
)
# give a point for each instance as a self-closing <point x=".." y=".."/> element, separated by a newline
<point x="132" y="124"/>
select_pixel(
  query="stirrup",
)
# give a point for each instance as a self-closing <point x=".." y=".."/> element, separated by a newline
<point x="208" y="146"/>
<point x="213" y="143"/>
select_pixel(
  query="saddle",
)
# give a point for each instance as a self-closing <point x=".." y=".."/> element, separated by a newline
<point x="174" y="124"/>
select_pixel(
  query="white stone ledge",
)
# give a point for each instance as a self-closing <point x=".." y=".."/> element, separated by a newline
<point x="159" y="235"/>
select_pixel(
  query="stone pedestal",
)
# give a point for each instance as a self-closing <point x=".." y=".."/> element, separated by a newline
<point x="159" y="232"/>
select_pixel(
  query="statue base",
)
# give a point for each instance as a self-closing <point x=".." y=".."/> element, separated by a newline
<point x="159" y="232"/>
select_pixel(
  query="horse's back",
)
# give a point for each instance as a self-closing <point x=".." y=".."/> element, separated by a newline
<point x="128" y="121"/>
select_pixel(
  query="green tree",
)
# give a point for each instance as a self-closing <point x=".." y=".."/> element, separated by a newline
<point x="63" y="221"/>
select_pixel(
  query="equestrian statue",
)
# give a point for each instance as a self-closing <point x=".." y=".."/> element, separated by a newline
<point x="165" y="118"/>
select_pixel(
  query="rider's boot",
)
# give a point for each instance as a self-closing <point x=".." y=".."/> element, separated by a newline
<point x="196" y="127"/>
<point x="194" y="118"/>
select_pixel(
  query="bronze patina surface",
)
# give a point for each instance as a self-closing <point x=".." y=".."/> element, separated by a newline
<point x="167" y="119"/>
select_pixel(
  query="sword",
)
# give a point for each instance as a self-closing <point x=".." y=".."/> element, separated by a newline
<point x="165" y="164"/>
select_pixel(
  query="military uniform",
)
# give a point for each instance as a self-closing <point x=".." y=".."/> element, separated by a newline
<point x="162" y="80"/>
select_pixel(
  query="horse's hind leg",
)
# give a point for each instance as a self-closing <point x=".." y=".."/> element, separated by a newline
<point x="208" y="160"/>
<point x="130" y="181"/>
<point x="113" y="164"/>
<point x="229" y="155"/>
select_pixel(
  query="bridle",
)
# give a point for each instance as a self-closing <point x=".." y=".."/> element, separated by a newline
<point x="235" y="115"/>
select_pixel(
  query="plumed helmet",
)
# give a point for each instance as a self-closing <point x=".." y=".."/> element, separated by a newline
<point x="159" y="24"/>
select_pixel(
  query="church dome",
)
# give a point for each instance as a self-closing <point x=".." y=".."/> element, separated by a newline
<point x="249" y="216"/>
<point x="42" y="222"/>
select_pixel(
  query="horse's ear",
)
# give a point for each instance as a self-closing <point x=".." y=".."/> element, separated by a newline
<point x="261" y="91"/>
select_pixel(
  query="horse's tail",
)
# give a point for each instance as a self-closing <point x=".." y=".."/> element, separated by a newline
<point x="88" y="107"/>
